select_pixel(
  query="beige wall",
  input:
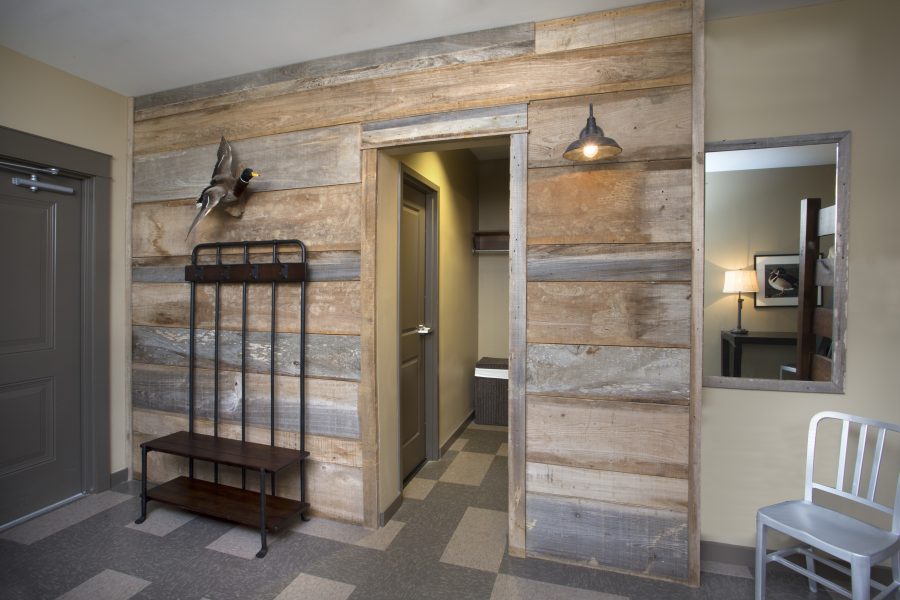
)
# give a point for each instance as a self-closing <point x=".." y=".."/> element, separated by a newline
<point x="455" y="173"/>
<point x="493" y="269"/>
<point x="747" y="213"/>
<point x="44" y="101"/>
<point x="823" y="68"/>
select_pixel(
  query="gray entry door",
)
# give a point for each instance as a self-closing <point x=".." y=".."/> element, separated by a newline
<point x="40" y="346"/>
<point x="412" y="314"/>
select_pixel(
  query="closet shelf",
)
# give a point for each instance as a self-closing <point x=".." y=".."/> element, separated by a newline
<point x="490" y="241"/>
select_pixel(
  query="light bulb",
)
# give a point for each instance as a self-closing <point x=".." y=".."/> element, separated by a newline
<point x="591" y="150"/>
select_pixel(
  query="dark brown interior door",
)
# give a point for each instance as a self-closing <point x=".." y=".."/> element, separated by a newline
<point x="40" y="345"/>
<point x="412" y="315"/>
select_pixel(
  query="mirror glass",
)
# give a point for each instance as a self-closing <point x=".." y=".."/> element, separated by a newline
<point x="753" y="202"/>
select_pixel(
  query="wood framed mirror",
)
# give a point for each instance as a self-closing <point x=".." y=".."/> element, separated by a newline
<point x="777" y="208"/>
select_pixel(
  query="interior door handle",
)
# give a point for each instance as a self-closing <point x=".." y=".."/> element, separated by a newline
<point x="423" y="330"/>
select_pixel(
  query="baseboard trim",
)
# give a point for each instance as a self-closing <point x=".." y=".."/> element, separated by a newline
<point x="118" y="477"/>
<point x="727" y="553"/>
<point x="388" y="514"/>
<point x="453" y="436"/>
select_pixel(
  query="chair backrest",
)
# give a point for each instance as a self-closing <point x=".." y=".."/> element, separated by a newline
<point x="866" y="459"/>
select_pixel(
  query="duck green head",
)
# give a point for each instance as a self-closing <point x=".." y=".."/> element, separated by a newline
<point x="248" y="174"/>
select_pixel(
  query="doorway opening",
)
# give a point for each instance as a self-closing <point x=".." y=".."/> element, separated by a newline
<point x="441" y="303"/>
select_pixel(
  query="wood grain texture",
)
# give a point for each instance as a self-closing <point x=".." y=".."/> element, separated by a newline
<point x="336" y="265"/>
<point x="518" y="301"/>
<point x="342" y="451"/>
<point x="665" y="493"/>
<point x="323" y="218"/>
<point x="604" y="205"/>
<point x="610" y="313"/>
<point x="327" y="356"/>
<point x="331" y="307"/>
<point x="627" y="437"/>
<point x="471" y="47"/>
<point x="610" y="262"/>
<point x="659" y="19"/>
<point x="636" y="65"/>
<point x="698" y="180"/>
<point x="330" y="404"/>
<point x="614" y="372"/>
<point x="299" y="159"/>
<point x="368" y="392"/>
<point x="650" y="124"/>
<point x="639" y="540"/>
<point x="333" y="490"/>
<point x="477" y="122"/>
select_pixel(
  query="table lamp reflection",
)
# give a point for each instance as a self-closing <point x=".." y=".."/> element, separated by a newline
<point x="738" y="282"/>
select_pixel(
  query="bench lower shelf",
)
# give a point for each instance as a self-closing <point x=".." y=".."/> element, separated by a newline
<point x="226" y="502"/>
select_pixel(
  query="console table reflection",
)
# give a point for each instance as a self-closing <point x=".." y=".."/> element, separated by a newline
<point x="733" y="346"/>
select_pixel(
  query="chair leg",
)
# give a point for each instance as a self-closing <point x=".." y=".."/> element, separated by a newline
<point x="860" y="574"/>
<point x="811" y="567"/>
<point x="760" y="575"/>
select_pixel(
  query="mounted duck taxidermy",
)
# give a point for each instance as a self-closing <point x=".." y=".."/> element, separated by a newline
<point x="224" y="189"/>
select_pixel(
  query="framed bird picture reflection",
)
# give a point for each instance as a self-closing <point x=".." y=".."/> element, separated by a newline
<point x="778" y="277"/>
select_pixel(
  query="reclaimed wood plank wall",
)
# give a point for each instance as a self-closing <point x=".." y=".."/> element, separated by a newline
<point x="602" y="460"/>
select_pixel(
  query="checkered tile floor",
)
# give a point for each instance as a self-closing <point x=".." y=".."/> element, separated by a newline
<point x="448" y="540"/>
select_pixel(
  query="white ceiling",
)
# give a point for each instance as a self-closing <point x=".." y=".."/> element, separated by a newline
<point x="137" y="47"/>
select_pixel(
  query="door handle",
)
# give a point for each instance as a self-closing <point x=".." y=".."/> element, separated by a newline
<point x="423" y="330"/>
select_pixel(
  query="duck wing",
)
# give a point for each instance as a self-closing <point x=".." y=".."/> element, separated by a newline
<point x="209" y="199"/>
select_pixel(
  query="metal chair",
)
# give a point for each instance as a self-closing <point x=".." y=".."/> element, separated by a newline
<point x="841" y="536"/>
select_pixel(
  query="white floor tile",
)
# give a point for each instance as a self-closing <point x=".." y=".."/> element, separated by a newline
<point x="479" y="540"/>
<point x="107" y="585"/>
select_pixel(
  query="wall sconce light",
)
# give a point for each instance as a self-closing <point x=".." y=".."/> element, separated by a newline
<point x="592" y="144"/>
<point x="735" y="283"/>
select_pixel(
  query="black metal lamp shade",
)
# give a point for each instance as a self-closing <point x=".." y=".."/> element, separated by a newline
<point x="592" y="144"/>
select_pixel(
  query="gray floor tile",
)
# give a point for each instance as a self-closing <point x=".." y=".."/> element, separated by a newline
<point x="53" y="522"/>
<point x="479" y="541"/>
<point x="476" y="426"/>
<point x="107" y="585"/>
<point x="162" y="520"/>
<point x="310" y="587"/>
<point x="508" y="587"/>
<point x="379" y="539"/>
<point x="242" y="542"/>
<point x="418" y="488"/>
<point x="720" y="568"/>
<point x="459" y="444"/>
<point x="468" y="468"/>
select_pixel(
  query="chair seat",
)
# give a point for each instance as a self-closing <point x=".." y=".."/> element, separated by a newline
<point x="834" y="532"/>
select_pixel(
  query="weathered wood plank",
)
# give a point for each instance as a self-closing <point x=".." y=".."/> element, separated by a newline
<point x="299" y="159"/>
<point x="665" y="493"/>
<point x="643" y="540"/>
<point x="648" y="124"/>
<point x="698" y="175"/>
<point x="610" y="313"/>
<point x="342" y="451"/>
<point x="659" y="19"/>
<point x="636" y="65"/>
<point x="337" y="265"/>
<point x="477" y="122"/>
<point x="329" y="356"/>
<point x="324" y="218"/>
<point x="333" y="490"/>
<point x="627" y="437"/>
<point x="610" y="262"/>
<point x="331" y="307"/>
<point x="368" y="391"/>
<point x="330" y="404"/>
<point x="614" y="372"/>
<point x="518" y="301"/>
<point x="472" y="47"/>
<point x="609" y="205"/>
